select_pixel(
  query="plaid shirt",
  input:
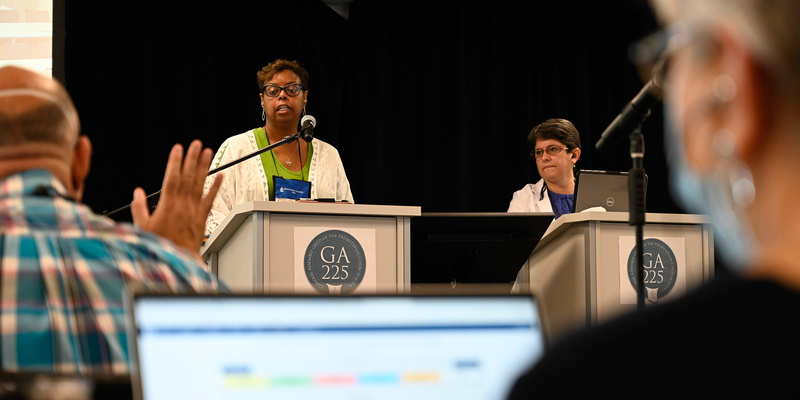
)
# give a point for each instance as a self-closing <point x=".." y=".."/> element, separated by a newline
<point x="64" y="272"/>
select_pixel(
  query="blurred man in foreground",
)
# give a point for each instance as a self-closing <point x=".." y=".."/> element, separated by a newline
<point x="64" y="271"/>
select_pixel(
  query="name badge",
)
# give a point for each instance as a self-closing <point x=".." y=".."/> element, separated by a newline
<point x="291" y="188"/>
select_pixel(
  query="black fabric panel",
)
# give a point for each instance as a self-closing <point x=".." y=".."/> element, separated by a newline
<point x="428" y="101"/>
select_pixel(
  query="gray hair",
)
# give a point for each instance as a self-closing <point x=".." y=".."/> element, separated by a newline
<point x="770" y="29"/>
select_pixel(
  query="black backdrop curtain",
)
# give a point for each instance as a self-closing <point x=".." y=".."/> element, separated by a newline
<point x="429" y="102"/>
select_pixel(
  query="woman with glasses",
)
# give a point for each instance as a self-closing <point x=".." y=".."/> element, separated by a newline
<point x="732" y="95"/>
<point x="556" y="148"/>
<point x="295" y="170"/>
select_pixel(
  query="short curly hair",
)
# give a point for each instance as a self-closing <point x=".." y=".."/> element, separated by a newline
<point x="556" y="129"/>
<point x="265" y="74"/>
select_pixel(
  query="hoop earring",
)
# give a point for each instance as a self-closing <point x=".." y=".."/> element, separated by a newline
<point x="263" y="115"/>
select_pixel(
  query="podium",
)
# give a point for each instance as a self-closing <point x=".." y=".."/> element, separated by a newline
<point x="322" y="248"/>
<point x="583" y="267"/>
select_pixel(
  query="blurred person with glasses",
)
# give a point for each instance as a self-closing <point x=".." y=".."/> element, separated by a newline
<point x="732" y="132"/>
<point x="556" y="147"/>
<point x="308" y="170"/>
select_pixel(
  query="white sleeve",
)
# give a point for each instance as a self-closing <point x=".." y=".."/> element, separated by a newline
<point x="517" y="203"/>
<point x="226" y="197"/>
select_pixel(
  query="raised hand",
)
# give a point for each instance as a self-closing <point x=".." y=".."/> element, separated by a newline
<point x="181" y="212"/>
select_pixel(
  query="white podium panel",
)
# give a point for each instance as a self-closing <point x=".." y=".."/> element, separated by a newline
<point x="583" y="268"/>
<point x="324" y="248"/>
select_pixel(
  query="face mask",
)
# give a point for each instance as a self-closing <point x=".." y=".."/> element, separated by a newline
<point x="721" y="195"/>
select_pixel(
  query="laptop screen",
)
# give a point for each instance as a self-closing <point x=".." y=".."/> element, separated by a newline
<point x="364" y="347"/>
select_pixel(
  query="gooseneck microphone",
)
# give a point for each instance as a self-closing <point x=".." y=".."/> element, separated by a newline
<point x="633" y="114"/>
<point x="307" y="124"/>
<point x="307" y="128"/>
<point x="285" y="140"/>
<point x="629" y="122"/>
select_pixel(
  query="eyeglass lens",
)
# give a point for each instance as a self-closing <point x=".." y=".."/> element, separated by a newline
<point x="551" y="150"/>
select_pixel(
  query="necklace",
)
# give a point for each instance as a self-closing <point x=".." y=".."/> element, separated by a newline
<point x="287" y="161"/>
<point x="272" y="157"/>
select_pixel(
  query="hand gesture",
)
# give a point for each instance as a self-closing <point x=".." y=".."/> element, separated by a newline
<point x="181" y="212"/>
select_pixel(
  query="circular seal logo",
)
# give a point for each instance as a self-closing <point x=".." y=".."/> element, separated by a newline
<point x="334" y="262"/>
<point x="660" y="268"/>
<point x="610" y="202"/>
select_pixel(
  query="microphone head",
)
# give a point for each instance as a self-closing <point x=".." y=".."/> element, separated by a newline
<point x="310" y="119"/>
<point x="307" y="128"/>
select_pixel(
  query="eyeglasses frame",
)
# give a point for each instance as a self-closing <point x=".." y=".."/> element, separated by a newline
<point x="547" y="150"/>
<point x="283" y="89"/>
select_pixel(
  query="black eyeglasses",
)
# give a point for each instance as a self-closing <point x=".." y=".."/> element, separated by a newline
<point x="274" y="90"/>
<point x="552" y="150"/>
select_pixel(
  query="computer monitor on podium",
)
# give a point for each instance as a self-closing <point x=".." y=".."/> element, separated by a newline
<point x="473" y="248"/>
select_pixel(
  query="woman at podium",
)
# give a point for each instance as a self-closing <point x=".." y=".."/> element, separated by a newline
<point x="556" y="148"/>
<point x="296" y="170"/>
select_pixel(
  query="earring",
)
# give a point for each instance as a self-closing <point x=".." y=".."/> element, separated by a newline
<point x="740" y="178"/>
<point x="723" y="88"/>
<point x="263" y="115"/>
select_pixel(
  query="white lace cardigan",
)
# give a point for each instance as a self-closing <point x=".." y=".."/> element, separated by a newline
<point x="247" y="181"/>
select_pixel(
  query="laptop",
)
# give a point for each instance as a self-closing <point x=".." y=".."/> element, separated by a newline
<point x="233" y="346"/>
<point x="607" y="189"/>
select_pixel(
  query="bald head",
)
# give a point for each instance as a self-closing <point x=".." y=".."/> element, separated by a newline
<point x="39" y="129"/>
<point x="35" y="109"/>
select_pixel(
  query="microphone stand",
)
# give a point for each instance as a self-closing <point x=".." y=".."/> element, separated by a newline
<point x="285" y="140"/>
<point x="637" y="200"/>
<point x="631" y="119"/>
